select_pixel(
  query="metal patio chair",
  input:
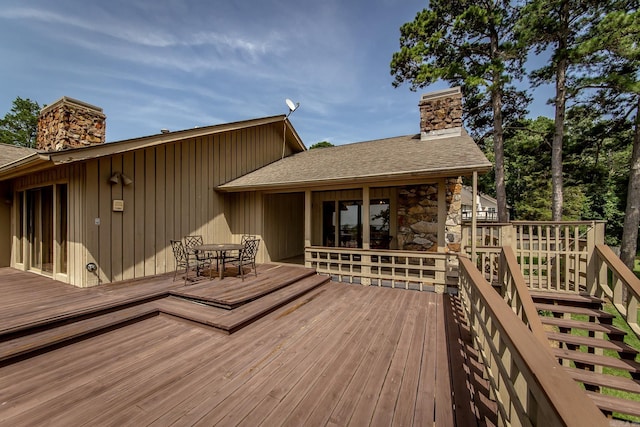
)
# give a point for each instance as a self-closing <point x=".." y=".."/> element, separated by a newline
<point x="247" y="255"/>
<point x="183" y="260"/>
<point x="196" y="240"/>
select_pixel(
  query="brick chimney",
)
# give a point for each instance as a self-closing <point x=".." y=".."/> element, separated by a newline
<point x="69" y="123"/>
<point x="441" y="114"/>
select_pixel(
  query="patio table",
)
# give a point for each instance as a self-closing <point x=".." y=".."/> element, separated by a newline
<point x="221" y="249"/>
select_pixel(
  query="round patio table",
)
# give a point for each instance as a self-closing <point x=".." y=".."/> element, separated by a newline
<point x="221" y="249"/>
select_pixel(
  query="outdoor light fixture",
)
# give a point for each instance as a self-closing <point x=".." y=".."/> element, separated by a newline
<point x="117" y="176"/>
<point x="292" y="107"/>
<point x="126" y="180"/>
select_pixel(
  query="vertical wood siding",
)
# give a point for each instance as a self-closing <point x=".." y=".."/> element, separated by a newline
<point x="172" y="195"/>
<point x="283" y="225"/>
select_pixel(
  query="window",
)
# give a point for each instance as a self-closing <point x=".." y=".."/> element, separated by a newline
<point x="20" y="231"/>
<point x="379" y="223"/>
<point x="350" y="223"/>
<point x="61" y="239"/>
<point x="329" y="223"/>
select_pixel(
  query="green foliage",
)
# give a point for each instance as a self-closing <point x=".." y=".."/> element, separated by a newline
<point x="19" y="127"/>
<point x="321" y="144"/>
<point x="469" y="44"/>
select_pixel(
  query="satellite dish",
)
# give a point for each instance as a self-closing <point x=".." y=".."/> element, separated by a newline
<point x="291" y="105"/>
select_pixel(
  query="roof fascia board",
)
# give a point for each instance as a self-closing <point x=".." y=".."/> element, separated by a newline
<point x="296" y="137"/>
<point x="18" y="167"/>
<point x="340" y="183"/>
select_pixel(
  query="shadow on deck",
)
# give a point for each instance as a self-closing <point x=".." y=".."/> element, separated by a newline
<point x="150" y="351"/>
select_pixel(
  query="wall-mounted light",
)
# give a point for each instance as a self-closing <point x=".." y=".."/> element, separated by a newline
<point x="125" y="179"/>
<point x="117" y="176"/>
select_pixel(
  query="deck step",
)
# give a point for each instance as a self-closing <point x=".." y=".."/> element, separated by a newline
<point x="192" y="310"/>
<point x="604" y="380"/>
<point x="254" y="310"/>
<point x="60" y="333"/>
<point x="591" y="312"/>
<point x="618" y="346"/>
<point x="230" y="321"/>
<point x="596" y="359"/>
<point x="615" y="404"/>
<point x="583" y="300"/>
<point x="613" y="332"/>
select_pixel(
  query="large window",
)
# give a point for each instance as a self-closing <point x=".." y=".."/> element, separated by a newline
<point x="380" y="223"/>
<point x="349" y="224"/>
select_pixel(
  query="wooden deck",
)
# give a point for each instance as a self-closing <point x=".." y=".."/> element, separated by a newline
<point x="329" y="354"/>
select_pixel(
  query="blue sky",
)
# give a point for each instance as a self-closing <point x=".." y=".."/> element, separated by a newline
<point x="178" y="64"/>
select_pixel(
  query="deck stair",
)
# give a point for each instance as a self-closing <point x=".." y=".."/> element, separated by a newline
<point x="47" y="334"/>
<point x="584" y="340"/>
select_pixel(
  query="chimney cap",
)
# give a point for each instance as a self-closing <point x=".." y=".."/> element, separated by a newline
<point x="444" y="93"/>
<point x="77" y="103"/>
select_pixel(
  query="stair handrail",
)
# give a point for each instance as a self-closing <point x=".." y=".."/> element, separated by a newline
<point x="516" y="294"/>
<point x="530" y="387"/>
<point x="624" y="288"/>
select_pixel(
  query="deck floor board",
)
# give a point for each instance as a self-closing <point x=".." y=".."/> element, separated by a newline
<point x="339" y="355"/>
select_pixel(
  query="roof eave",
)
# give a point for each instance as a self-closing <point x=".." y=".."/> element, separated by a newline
<point x="32" y="162"/>
<point x="378" y="180"/>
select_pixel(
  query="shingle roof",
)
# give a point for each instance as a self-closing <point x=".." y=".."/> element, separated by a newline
<point x="383" y="159"/>
<point x="10" y="153"/>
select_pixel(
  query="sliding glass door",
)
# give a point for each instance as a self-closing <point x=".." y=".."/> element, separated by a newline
<point x="42" y="234"/>
<point x="40" y="229"/>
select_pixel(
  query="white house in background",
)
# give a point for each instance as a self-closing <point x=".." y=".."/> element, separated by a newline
<point x="487" y="206"/>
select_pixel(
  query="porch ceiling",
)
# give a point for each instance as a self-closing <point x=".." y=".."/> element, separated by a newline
<point x="384" y="160"/>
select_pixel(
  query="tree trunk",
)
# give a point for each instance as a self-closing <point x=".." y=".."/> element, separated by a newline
<point x="498" y="132"/>
<point x="498" y="149"/>
<point x="628" y="247"/>
<point x="560" y="104"/>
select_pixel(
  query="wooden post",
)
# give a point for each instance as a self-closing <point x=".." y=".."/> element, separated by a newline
<point x="442" y="215"/>
<point x="366" y="228"/>
<point x="474" y="212"/>
<point x="366" y="237"/>
<point x="595" y="236"/>
<point x="307" y="224"/>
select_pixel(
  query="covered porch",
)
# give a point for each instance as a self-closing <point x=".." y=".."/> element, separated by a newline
<point x="384" y="212"/>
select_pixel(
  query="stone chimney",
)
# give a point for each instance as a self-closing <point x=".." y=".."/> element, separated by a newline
<point x="69" y="123"/>
<point x="441" y="114"/>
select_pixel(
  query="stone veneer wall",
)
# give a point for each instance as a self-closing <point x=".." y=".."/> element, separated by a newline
<point x="418" y="216"/>
<point x="68" y="123"/>
<point x="440" y="110"/>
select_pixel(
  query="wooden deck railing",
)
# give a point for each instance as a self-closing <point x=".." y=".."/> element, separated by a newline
<point x="618" y="283"/>
<point x="516" y="294"/>
<point x="396" y="269"/>
<point x="553" y="256"/>
<point x="530" y="387"/>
